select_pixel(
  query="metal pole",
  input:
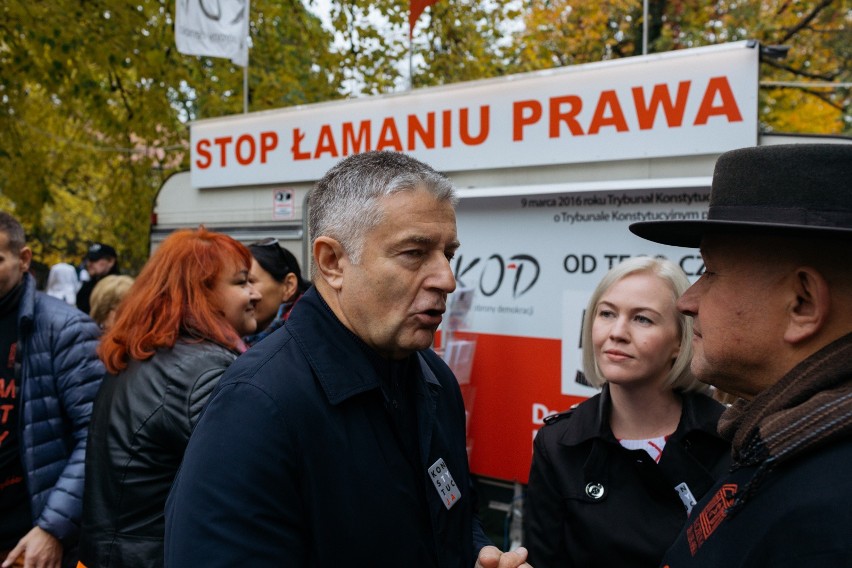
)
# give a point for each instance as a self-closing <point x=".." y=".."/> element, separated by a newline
<point x="644" y="27"/>
<point x="410" y="63"/>
<point x="245" y="84"/>
<point x="248" y="58"/>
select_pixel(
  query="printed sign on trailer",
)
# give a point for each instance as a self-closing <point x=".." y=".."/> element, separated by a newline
<point x="529" y="295"/>
<point x="696" y="101"/>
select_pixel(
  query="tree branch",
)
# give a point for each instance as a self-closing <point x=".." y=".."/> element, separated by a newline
<point x="806" y="20"/>
<point x="117" y="86"/>
<point x="799" y="72"/>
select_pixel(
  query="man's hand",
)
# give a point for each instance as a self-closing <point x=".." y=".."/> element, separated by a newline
<point x="491" y="557"/>
<point x="40" y="549"/>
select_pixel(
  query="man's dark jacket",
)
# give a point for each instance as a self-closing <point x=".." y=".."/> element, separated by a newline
<point x="787" y="501"/>
<point x="294" y="462"/>
<point x="800" y="518"/>
<point x="60" y="376"/>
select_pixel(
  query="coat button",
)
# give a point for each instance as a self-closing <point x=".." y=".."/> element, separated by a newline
<point x="595" y="490"/>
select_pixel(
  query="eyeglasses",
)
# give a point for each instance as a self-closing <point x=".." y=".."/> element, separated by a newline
<point x="267" y="242"/>
<point x="271" y="247"/>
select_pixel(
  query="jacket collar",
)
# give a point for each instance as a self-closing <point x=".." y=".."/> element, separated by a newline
<point x="26" y="309"/>
<point x="337" y="356"/>
<point x="590" y="420"/>
<point x="700" y="412"/>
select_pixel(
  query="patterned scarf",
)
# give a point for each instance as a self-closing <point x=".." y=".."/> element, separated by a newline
<point x="808" y="408"/>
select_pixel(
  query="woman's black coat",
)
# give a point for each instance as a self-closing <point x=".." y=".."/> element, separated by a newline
<point x="591" y="502"/>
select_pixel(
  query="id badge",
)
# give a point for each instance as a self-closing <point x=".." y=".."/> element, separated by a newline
<point x="686" y="496"/>
<point x="445" y="485"/>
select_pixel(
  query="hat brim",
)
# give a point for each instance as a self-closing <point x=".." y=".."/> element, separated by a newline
<point x="690" y="233"/>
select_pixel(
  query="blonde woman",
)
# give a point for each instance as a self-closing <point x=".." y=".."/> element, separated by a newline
<point x="612" y="480"/>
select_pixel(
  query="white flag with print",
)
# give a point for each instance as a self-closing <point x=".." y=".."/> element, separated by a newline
<point x="213" y="28"/>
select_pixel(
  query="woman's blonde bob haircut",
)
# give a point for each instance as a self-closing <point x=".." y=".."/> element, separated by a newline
<point x="680" y="378"/>
<point x="107" y="294"/>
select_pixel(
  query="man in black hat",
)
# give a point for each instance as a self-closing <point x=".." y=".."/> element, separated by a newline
<point x="101" y="260"/>
<point x="773" y="325"/>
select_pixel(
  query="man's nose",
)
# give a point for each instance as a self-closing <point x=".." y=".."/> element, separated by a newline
<point x="687" y="304"/>
<point x="443" y="278"/>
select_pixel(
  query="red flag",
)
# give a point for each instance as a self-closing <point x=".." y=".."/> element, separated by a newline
<point x="416" y="8"/>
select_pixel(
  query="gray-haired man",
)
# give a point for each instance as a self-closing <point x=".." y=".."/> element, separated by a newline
<point x="339" y="440"/>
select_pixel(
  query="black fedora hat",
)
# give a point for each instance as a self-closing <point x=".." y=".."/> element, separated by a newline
<point x="784" y="189"/>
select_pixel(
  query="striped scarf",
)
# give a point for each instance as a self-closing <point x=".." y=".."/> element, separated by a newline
<point x="809" y="407"/>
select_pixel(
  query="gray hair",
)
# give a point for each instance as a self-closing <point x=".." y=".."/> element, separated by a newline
<point x="13" y="231"/>
<point x="680" y="377"/>
<point x="343" y="204"/>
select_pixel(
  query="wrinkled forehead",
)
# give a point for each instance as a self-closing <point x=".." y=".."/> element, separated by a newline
<point x="417" y="203"/>
<point x="415" y="216"/>
<point x="731" y="246"/>
<point x="743" y="246"/>
<point x="755" y="262"/>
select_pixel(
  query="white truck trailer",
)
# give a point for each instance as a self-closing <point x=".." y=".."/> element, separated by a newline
<point x="551" y="167"/>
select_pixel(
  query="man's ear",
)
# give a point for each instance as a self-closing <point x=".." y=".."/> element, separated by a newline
<point x="26" y="256"/>
<point x="330" y="260"/>
<point x="809" y="311"/>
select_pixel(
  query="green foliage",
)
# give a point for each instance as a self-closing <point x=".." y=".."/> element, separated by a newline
<point x="371" y="38"/>
<point x="94" y="104"/>
<point x="464" y="40"/>
<point x="567" y="32"/>
<point x="95" y="99"/>
<point x="458" y="40"/>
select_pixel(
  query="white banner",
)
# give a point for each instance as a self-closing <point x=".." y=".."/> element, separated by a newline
<point x="213" y="28"/>
<point x="687" y="102"/>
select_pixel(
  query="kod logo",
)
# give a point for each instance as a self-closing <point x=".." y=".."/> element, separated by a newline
<point x="520" y="272"/>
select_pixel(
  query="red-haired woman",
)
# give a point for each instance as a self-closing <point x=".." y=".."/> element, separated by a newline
<point x="177" y="330"/>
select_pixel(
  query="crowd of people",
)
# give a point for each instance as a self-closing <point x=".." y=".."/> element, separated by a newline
<point x="222" y="410"/>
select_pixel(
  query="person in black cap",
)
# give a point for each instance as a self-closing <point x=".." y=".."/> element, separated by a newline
<point x="101" y="260"/>
<point x="276" y="275"/>
<point x="773" y="325"/>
